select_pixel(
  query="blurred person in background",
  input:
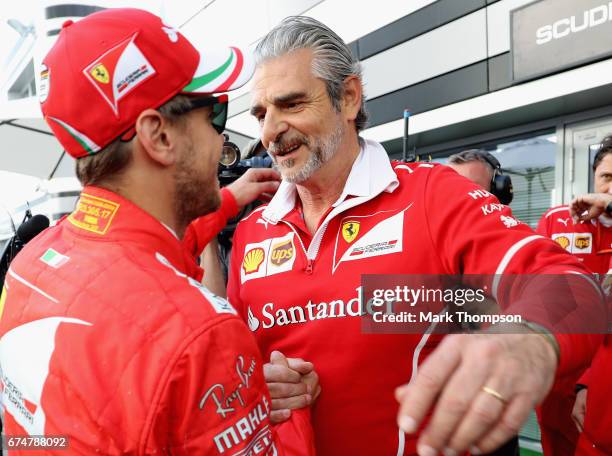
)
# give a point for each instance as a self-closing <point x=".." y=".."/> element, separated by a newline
<point x="481" y="167"/>
<point x="588" y="236"/>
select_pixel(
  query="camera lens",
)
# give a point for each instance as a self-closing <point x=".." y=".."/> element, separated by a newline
<point x="230" y="155"/>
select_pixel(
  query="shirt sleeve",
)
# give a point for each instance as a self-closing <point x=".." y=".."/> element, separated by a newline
<point x="233" y="279"/>
<point x="527" y="273"/>
<point x="203" y="229"/>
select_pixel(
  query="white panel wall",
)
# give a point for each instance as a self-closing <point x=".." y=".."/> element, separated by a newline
<point x="498" y="25"/>
<point x="352" y="20"/>
<point x="238" y="22"/>
<point x="349" y="23"/>
<point x="280" y="9"/>
<point x="555" y="86"/>
<point x="452" y="46"/>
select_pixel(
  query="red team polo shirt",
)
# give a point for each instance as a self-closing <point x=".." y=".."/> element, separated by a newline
<point x="591" y="243"/>
<point x="300" y="293"/>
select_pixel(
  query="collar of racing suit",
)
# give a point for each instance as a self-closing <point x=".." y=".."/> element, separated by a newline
<point x="108" y="217"/>
<point x="370" y="175"/>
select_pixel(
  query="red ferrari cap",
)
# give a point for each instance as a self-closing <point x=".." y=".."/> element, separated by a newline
<point x="108" y="67"/>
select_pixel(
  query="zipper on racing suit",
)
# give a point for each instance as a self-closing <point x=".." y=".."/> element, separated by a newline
<point x="313" y="250"/>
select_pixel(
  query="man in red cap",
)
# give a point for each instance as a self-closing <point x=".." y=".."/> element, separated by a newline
<point x="108" y="342"/>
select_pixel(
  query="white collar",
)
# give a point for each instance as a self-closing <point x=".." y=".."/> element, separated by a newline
<point x="370" y="175"/>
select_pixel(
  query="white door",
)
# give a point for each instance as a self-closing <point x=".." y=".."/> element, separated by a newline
<point x="582" y="142"/>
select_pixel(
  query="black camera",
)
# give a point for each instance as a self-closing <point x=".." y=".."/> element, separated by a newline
<point x="231" y="166"/>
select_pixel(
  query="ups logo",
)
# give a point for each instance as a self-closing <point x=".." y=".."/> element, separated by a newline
<point x="281" y="253"/>
<point x="582" y="242"/>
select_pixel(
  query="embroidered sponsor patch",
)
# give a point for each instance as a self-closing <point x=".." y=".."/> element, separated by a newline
<point x="44" y="81"/>
<point x="269" y="257"/>
<point x="577" y="243"/>
<point x="54" y="259"/>
<point x="94" y="214"/>
<point x="582" y="242"/>
<point x="350" y="230"/>
<point x="509" y="222"/>
<point x="252" y="260"/>
<point x="282" y="252"/>
<point x="563" y="241"/>
<point x="375" y="248"/>
<point x="373" y="235"/>
<point x="117" y="72"/>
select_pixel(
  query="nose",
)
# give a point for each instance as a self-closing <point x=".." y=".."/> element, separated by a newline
<point x="272" y="128"/>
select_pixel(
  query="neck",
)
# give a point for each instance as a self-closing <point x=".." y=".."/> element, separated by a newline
<point x="135" y="186"/>
<point x="323" y="189"/>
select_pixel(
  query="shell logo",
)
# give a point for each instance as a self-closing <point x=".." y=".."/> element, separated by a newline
<point x="253" y="260"/>
<point x="563" y="241"/>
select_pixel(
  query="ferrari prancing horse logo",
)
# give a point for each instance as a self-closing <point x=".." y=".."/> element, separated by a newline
<point x="350" y="230"/>
<point x="100" y="73"/>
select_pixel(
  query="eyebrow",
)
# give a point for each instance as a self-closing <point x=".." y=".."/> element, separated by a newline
<point x="287" y="98"/>
<point x="279" y="100"/>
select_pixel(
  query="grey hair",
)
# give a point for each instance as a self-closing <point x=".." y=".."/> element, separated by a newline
<point x="468" y="156"/>
<point x="333" y="61"/>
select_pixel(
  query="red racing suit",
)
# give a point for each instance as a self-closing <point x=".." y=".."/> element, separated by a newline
<point x="300" y="294"/>
<point x="591" y="243"/>
<point x="203" y="229"/>
<point x="107" y="338"/>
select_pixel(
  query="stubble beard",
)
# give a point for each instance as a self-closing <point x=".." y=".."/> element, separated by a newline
<point x="321" y="151"/>
<point x="195" y="193"/>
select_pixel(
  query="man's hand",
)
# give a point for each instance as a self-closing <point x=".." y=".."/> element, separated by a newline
<point x="579" y="409"/>
<point x="293" y="384"/>
<point x="591" y="205"/>
<point x="483" y="387"/>
<point x="253" y="183"/>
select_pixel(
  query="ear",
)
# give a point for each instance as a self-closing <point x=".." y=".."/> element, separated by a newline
<point x="351" y="100"/>
<point x="158" y="137"/>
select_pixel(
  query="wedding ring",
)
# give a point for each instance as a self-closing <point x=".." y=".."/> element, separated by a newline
<point x="495" y="394"/>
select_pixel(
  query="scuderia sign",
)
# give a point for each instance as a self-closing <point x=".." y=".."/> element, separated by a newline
<point x="553" y="35"/>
